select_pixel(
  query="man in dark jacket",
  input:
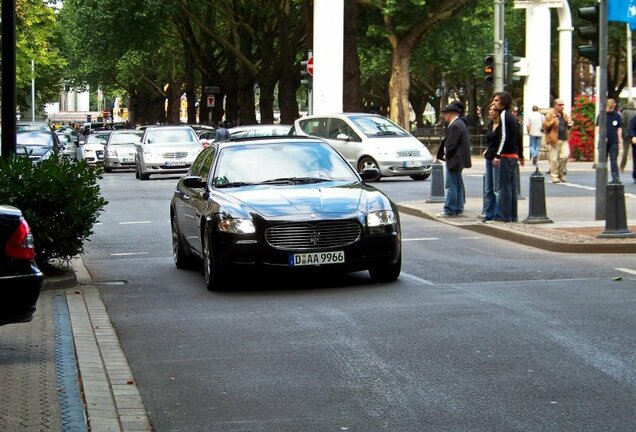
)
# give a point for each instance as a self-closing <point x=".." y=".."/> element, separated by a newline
<point x="508" y="155"/>
<point x="457" y="156"/>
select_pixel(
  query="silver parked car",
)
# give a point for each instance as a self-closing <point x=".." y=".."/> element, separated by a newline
<point x="120" y="149"/>
<point x="93" y="149"/>
<point x="166" y="150"/>
<point x="370" y="140"/>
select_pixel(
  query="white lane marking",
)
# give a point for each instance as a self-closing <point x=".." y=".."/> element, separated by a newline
<point x="578" y="186"/>
<point x="417" y="279"/>
<point x="626" y="270"/>
<point x="421" y="239"/>
<point x="469" y="238"/>
<point x="129" y="253"/>
<point x="134" y="222"/>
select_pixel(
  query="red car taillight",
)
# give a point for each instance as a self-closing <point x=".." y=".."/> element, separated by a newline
<point x="20" y="245"/>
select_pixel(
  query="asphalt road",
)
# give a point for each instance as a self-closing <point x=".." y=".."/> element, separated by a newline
<point x="478" y="334"/>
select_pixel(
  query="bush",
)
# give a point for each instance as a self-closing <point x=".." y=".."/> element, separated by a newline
<point x="582" y="136"/>
<point x="60" y="200"/>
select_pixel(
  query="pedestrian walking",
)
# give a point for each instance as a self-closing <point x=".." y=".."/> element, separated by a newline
<point x="534" y="126"/>
<point x="491" y="176"/>
<point x="556" y="130"/>
<point x="627" y="114"/>
<point x="508" y="155"/>
<point x="222" y="132"/>
<point x="613" y="138"/>
<point x="456" y="153"/>
<point x="632" y="140"/>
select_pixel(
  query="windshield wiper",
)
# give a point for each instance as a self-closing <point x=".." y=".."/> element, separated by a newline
<point x="232" y="184"/>
<point x="294" y="180"/>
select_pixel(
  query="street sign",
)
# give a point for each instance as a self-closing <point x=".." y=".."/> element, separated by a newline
<point x="310" y="66"/>
<point x="211" y="89"/>
<point x="210" y="100"/>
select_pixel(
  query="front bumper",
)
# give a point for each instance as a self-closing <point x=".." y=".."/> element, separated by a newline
<point x="404" y="167"/>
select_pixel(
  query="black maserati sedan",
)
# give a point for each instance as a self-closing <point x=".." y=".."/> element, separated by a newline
<point x="287" y="203"/>
<point x="20" y="278"/>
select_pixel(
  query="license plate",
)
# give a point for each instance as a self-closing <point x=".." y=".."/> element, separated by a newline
<point x="316" y="258"/>
<point x="175" y="163"/>
<point x="127" y="160"/>
<point x="412" y="164"/>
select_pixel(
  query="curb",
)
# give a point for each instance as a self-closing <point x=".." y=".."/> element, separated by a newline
<point x="67" y="280"/>
<point x="532" y="235"/>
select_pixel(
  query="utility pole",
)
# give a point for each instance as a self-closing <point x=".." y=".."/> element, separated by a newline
<point x="9" y="98"/>
<point x="601" y="165"/>
<point x="498" y="51"/>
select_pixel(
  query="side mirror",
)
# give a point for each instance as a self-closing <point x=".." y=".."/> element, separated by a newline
<point x="342" y="137"/>
<point x="370" y="173"/>
<point x="193" y="182"/>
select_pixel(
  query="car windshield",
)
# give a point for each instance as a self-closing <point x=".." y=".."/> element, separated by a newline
<point x="97" y="139"/>
<point x="125" y="138"/>
<point x="280" y="163"/>
<point x="34" y="139"/>
<point x="32" y="127"/>
<point x="260" y="131"/>
<point x="163" y="136"/>
<point x="377" y="126"/>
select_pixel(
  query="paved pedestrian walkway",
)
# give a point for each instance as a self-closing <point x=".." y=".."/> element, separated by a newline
<point x="573" y="228"/>
<point x="65" y="370"/>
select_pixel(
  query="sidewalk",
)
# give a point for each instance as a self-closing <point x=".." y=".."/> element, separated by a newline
<point x="574" y="228"/>
<point x="65" y="371"/>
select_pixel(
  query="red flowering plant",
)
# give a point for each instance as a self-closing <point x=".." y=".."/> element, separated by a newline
<point x="582" y="134"/>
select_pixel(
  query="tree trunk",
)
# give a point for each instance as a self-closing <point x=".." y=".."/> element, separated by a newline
<point x="399" y="87"/>
<point x="173" y="112"/>
<point x="266" y="102"/>
<point x="246" y="104"/>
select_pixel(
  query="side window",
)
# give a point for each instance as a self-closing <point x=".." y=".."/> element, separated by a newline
<point x="207" y="164"/>
<point x="338" y="126"/>
<point x="201" y="165"/>
<point x="316" y="127"/>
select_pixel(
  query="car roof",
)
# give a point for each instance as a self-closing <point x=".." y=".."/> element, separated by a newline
<point x="236" y="142"/>
<point x="346" y="114"/>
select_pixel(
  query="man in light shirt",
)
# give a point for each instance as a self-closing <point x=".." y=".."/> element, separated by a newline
<point x="534" y="126"/>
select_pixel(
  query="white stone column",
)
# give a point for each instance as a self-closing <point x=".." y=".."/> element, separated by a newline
<point x="328" y="52"/>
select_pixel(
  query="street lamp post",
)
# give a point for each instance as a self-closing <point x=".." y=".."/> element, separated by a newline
<point x="9" y="98"/>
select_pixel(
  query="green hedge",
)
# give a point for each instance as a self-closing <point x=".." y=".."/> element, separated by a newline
<point x="60" y="200"/>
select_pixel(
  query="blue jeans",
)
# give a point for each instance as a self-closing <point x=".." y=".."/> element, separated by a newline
<point x="612" y="153"/>
<point x="491" y="191"/>
<point x="535" y="146"/>
<point x="454" y="203"/>
<point x="508" y="189"/>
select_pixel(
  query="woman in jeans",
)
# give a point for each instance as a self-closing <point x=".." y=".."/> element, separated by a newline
<point x="491" y="177"/>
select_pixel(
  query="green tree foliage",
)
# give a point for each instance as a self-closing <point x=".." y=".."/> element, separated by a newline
<point x="35" y="40"/>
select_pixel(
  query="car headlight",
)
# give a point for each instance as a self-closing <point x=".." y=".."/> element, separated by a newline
<point x="237" y="226"/>
<point x="112" y="152"/>
<point x="380" y="218"/>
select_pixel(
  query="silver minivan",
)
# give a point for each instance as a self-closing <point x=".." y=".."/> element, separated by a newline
<point x="166" y="150"/>
<point x="370" y="140"/>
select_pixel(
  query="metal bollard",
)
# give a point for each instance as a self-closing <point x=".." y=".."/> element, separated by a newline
<point x="437" y="184"/>
<point x="615" y="213"/>
<point x="518" y="180"/>
<point x="536" y="203"/>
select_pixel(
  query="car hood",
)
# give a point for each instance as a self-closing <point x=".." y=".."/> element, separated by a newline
<point x="399" y="144"/>
<point x="171" y="147"/>
<point x="320" y="199"/>
<point x="93" y="146"/>
<point x="123" y="148"/>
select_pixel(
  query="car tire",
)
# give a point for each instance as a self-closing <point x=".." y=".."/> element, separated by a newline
<point x="386" y="272"/>
<point x="420" y="177"/>
<point x="182" y="259"/>
<point x="369" y="162"/>
<point x="214" y="276"/>
<point x="137" y="172"/>
<point x="141" y="175"/>
<point x="108" y="169"/>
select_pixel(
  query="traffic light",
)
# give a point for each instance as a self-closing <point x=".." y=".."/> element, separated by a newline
<point x="513" y="69"/>
<point x="305" y="77"/>
<point x="489" y="69"/>
<point x="590" y="32"/>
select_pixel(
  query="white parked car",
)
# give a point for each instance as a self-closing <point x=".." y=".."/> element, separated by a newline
<point x="370" y="140"/>
<point x="93" y="149"/>
<point x="120" y="149"/>
<point x="166" y="150"/>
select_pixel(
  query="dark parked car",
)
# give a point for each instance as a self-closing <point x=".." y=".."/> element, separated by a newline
<point x="38" y="145"/>
<point x="289" y="203"/>
<point x="20" y="278"/>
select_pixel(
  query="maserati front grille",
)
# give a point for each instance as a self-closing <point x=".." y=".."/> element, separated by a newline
<point x="309" y="236"/>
